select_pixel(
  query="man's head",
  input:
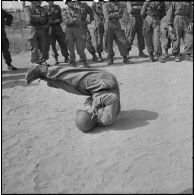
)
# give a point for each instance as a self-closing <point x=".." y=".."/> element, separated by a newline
<point x="85" y="121"/>
<point x="36" y="3"/>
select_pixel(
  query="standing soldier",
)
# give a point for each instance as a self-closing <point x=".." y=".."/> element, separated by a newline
<point x="180" y="18"/>
<point x="135" y="26"/>
<point x="86" y="10"/>
<point x="112" y="13"/>
<point x="6" y="18"/>
<point x="37" y="19"/>
<point x="99" y="27"/>
<point x="152" y="12"/>
<point x="56" y="32"/>
<point x="74" y="32"/>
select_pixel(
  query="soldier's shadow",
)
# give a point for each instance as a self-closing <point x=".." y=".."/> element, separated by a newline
<point x="129" y="120"/>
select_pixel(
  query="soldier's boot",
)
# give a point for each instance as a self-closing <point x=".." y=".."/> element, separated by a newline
<point x="152" y="57"/>
<point x="36" y="71"/>
<point x="166" y="55"/>
<point x="95" y="59"/>
<point x="177" y="58"/>
<point x="110" y="61"/>
<point x="142" y="54"/>
<point x="66" y="59"/>
<point x="86" y="65"/>
<point x="100" y="57"/>
<point x="160" y="59"/>
<point x="188" y="57"/>
<point x="56" y="61"/>
<point x="126" y="61"/>
<point x="72" y="62"/>
<point x="10" y="66"/>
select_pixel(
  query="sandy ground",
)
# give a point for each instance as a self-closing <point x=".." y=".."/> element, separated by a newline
<point x="147" y="150"/>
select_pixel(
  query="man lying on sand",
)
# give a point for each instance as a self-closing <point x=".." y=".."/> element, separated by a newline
<point x="103" y="104"/>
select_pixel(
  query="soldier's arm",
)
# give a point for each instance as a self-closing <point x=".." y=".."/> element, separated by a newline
<point x="170" y="14"/>
<point x="9" y="17"/>
<point x="68" y="20"/>
<point x="30" y="17"/>
<point x="143" y="10"/>
<point x="108" y="15"/>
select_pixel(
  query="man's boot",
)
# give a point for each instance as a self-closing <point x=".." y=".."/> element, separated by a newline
<point x="142" y="54"/>
<point x="72" y="62"/>
<point x="95" y="59"/>
<point x="110" y="61"/>
<point x="86" y="65"/>
<point x="177" y="58"/>
<point x="160" y="59"/>
<point x="152" y="57"/>
<point x="56" y="61"/>
<point x="36" y="71"/>
<point x="126" y="61"/>
<point x="100" y="57"/>
<point x="10" y="66"/>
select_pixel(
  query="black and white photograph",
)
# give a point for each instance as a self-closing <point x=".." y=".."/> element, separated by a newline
<point x="97" y="97"/>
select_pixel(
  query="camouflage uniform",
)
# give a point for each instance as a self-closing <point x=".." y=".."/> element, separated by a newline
<point x="165" y="34"/>
<point x="37" y="19"/>
<point x="135" y="25"/>
<point x="99" y="26"/>
<point x="56" y="32"/>
<point x="112" y="13"/>
<point x="74" y="32"/>
<point x="180" y="15"/>
<point x="101" y="87"/>
<point x="86" y="10"/>
<point x="152" y="12"/>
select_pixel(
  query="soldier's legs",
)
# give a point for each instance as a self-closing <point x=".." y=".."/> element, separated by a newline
<point x="71" y="42"/>
<point x="44" y="43"/>
<point x="99" y="34"/>
<point x="178" y="26"/>
<point x="53" y="45"/>
<point x="89" y="44"/>
<point x="188" y="43"/>
<point x="61" y="38"/>
<point x="156" y="40"/>
<point x="121" y="40"/>
<point x="5" y="48"/>
<point x="131" y="31"/>
<point x="140" y="37"/>
<point x="108" y="114"/>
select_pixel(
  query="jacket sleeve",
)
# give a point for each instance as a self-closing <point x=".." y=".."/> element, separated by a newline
<point x="9" y="17"/>
<point x="143" y="10"/>
<point x="68" y="20"/>
<point x="170" y="14"/>
<point x="30" y="17"/>
<point x="105" y="99"/>
<point x="108" y="15"/>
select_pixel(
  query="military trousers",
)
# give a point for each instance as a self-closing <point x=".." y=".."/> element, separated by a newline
<point x="99" y="36"/>
<point x="38" y="41"/>
<point x="134" y="27"/>
<point x="151" y="32"/>
<point x="75" y="38"/>
<point x="113" y="32"/>
<point x="180" y="25"/>
<point x="5" y="47"/>
<point x="58" y="35"/>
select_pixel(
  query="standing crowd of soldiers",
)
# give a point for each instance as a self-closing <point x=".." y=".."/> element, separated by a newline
<point x="158" y="24"/>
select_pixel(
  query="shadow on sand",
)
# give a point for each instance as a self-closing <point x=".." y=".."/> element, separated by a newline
<point x="129" y="119"/>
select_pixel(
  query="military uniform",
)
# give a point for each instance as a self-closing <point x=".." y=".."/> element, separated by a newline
<point x="134" y="25"/>
<point x="86" y="10"/>
<point x="74" y="32"/>
<point x="112" y="13"/>
<point x="56" y="32"/>
<point x="99" y="26"/>
<point x="37" y="19"/>
<point x="153" y="12"/>
<point x="101" y="87"/>
<point x="180" y="16"/>
<point x="166" y="38"/>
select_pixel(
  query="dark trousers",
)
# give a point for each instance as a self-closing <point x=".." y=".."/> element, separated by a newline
<point x="99" y="36"/>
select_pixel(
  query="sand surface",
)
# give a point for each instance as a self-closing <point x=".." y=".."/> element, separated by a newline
<point x="147" y="150"/>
